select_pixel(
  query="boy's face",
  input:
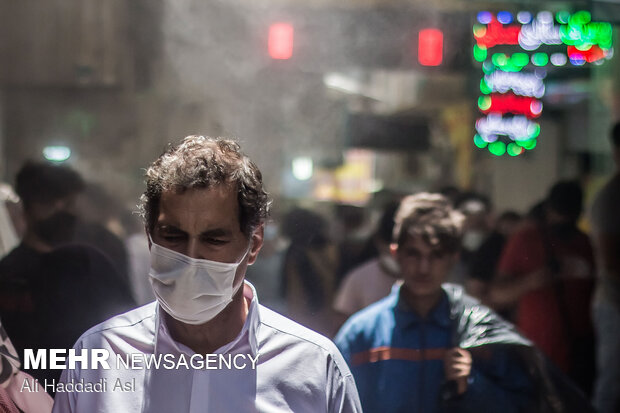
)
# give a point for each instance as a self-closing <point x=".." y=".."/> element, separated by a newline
<point x="423" y="269"/>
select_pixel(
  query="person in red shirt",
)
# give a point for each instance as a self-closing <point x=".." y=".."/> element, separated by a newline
<point x="546" y="272"/>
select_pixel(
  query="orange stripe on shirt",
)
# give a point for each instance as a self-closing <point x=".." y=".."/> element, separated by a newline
<point x="390" y="353"/>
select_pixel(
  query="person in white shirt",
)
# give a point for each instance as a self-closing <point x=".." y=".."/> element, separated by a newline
<point x="371" y="281"/>
<point x="210" y="346"/>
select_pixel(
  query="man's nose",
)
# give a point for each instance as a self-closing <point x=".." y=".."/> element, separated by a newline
<point x="424" y="264"/>
<point x="193" y="248"/>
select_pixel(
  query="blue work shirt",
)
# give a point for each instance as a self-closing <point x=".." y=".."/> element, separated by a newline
<point x="397" y="357"/>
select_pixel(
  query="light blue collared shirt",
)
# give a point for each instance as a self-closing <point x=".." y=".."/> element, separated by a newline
<point x="297" y="370"/>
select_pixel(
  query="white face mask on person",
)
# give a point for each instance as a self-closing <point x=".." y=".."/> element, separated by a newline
<point x="389" y="264"/>
<point x="191" y="290"/>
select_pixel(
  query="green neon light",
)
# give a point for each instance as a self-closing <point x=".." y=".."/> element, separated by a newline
<point x="497" y="148"/>
<point x="484" y="102"/>
<point x="581" y="32"/>
<point x="519" y="59"/>
<point x="527" y="144"/>
<point x="580" y="18"/>
<point x="507" y="64"/>
<point x="488" y="67"/>
<point x="540" y="59"/>
<point x="479" y="30"/>
<point x="562" y="17"/>
<point x="513" y="149"/>
<point x="484" y="88"/>
<point x="479" y="142"/>
<point x="480" y="53"/>
<point x="514" y="63"/>
<point x="499" y="59"/>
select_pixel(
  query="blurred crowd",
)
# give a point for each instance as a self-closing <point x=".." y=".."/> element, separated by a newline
<point x="72" y="256"/>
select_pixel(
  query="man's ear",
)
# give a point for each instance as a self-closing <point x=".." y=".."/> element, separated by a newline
<point x="393" y="249"/>
<point x="257" y="243"/>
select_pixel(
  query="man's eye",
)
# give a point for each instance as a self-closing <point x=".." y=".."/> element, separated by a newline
<point x="172" y="237"/>
<point x="215" y="241"/>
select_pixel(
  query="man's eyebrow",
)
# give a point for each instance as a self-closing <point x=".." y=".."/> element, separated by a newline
<point x="216" y="232"/>
<point x="169" y="228"/>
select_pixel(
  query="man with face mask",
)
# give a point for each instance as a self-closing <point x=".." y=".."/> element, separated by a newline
<point x="48" y="193"/>
<point x="213" y="348"/>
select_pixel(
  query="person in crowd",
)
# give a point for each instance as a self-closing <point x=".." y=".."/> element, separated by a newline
<point x="408" y="351"/>
<point x="264" y="273"/>
<point x="204" y="209"/>
<point x="309" y="270"/>
<point x="351" y="234"/>
<point x="138" y="256"/>
<point x="453" y="193"/>
<point x="78" y="287"/>
<point x="484" y="261"/>
<point x="374" y="279"/>
<point x="605" y="220"/>
<point x="11" y="221"/>
<point x="13" y="382"/>
<point x="51" y="289"/>
<point x="49" y="194"/>
<point x="477" y="211"/>
<point x="98" y="212"/>
<point x="547" y="271"/>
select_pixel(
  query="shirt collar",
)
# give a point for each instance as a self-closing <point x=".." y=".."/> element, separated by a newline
<point x="164" y="343"/>
<point x="405" y="315"/>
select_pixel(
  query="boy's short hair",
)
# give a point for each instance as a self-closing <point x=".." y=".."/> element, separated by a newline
<point x="431" y="217"/>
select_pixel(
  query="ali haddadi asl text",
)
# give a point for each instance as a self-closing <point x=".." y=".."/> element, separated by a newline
<point x="79" y="386"/>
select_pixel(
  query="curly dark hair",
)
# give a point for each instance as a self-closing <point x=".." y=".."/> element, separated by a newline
<point x="431" y="217"/>
<point x="205" y="162"/>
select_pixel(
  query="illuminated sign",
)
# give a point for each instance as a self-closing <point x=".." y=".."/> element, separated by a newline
<point x="540" y="31"/>
<point x="593" y="39"/>
<point x="523" y="84"/>
<point x="430" y="47"/>
<point x="495" y="34"/>
<point x="280" y="42"/>
<point x="517" y="128"/>
<point x="510" y="103"/>
<point x="593" y="54"/>
<point x="513" y="84"/>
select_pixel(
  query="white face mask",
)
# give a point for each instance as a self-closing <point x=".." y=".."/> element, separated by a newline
<point x="389" y="264"/>
<point x="472" y="240"/>
<point x="191" y="290"/>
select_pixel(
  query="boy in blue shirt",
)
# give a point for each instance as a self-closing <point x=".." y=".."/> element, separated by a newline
<point x="428" y="347"/>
